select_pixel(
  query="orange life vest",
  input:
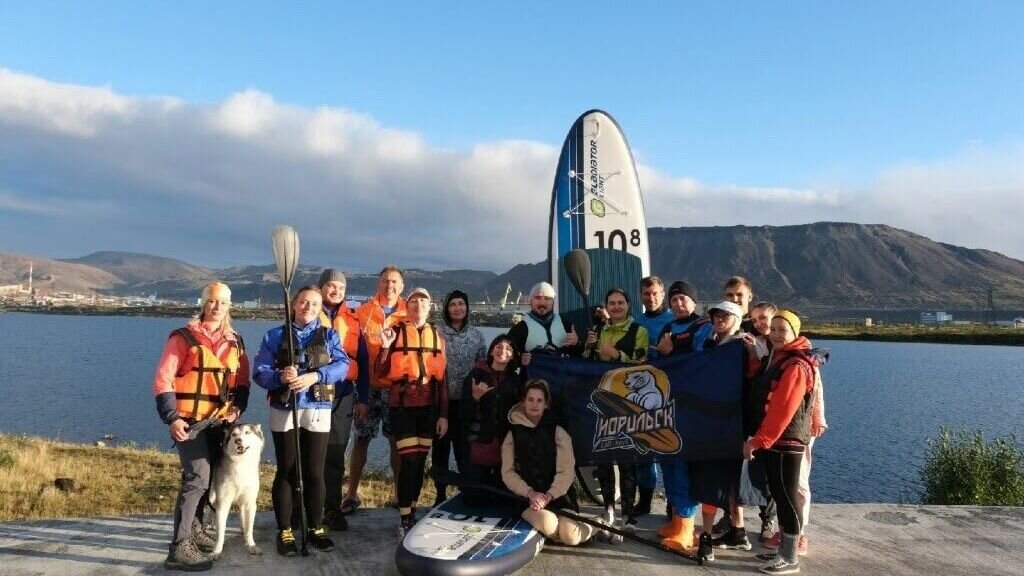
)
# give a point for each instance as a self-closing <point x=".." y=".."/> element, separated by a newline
<point x="346" y="325"/>
<point x="209" y="383"/>
<point x="417" y="356"/>
<point x="372" y="321"/>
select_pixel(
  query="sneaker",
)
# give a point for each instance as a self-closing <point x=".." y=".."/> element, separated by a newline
<point x="405" y="525"/>
<point x="643" y="505"/>
<point x="774" y="542"/>
<point x="780" y="566"/>
<point x="607" y="519"/>
<point x="801" y="545"/>
<point x="184" y="555"/>
<point x="705" y="551"/>
<point x="317" y="537"/>
<point x="734" y="539"/>
<point x="630" y="525"/>
<point x="335" y="520"/>
<point x="767" y="530"/>
<point x="768" y="556"/>
<point x="286" y="543"/>
<point x="722" y="527"/>
<point x="202" y="538"/>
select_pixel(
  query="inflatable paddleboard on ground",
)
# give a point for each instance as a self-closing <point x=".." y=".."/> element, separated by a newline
<point x="596" y="205"/>
<point x="457" y="540"/>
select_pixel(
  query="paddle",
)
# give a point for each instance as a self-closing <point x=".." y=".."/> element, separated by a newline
<point x="286" y="256"/>
<point x="450" y="478"/>
<point x="577" y="267"/>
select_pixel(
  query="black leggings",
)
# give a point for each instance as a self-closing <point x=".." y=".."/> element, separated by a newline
<point x="314" y="450"/>
<point x="627" y="486"/>
<point x="782" y="464"/>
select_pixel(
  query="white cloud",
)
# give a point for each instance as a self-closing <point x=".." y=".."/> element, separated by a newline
<point x="206" y="183"/>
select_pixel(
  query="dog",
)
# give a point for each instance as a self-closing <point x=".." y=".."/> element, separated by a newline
<point x="644" y="391"/>
<point x="236" y="479"/>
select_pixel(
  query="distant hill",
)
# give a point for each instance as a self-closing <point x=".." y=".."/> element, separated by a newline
<point x="826" y="265"/>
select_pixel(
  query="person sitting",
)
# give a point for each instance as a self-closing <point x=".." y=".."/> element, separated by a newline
<point x="537" y="464"/>
<point x="488" y="393"/>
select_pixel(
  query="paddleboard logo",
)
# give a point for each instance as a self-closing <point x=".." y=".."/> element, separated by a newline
<point x="635" y="411"/>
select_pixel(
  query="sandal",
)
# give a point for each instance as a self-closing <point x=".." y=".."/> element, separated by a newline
<point x="349" y="505"/>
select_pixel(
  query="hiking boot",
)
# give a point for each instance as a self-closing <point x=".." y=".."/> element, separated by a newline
<point x="202" y="538"/>
<point x="405" y="524"/>
<point x="184" y="555"/>
<point x="774" y="542"/>
<point x="675" y="524"/>
<point x="767" y="530"/>
<point x="780" y="566"/>
<point x="722" y="527"/>
<point x="734" y="539"/>
<point x="286" y="543"/>
<point x="682" y="538"/>
<point x="705" y="551"/>
<point x="317" y="537"/>
<point x="801" y="545"/>
<point x="335" y="520"/>
<point x="643" y="505"/>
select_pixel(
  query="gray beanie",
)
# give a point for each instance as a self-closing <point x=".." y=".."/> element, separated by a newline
<point x="331" y="275"/>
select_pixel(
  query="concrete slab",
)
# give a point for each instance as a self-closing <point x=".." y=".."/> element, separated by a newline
<point x="846" y="539"/>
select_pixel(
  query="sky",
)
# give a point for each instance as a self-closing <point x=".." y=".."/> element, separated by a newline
<point x="426" y="134"/>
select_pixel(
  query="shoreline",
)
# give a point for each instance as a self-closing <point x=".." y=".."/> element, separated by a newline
<point x="907" y="333"/>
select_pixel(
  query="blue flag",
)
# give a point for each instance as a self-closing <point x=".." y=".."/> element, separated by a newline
<point x="687" y="405"/>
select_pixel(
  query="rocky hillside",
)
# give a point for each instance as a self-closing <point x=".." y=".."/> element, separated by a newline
<point x="825" y="265"/>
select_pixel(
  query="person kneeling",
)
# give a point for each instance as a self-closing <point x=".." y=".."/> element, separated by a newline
<point x="537" y="463"/>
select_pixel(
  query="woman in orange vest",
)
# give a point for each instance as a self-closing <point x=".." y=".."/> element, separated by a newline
<point x="412" y="361"/>
<point x="203" y="373"/>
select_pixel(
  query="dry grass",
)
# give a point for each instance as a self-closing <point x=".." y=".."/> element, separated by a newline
<point x="118" y="481"/>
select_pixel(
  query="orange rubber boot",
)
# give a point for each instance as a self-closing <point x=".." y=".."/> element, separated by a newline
<point x="673" y="527"/>
<point x="683" y="539"/>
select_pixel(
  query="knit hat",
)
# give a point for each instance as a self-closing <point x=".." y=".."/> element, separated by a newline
<point x="792" y="318"/>
<point x="727" y="307"/>
<point x="682" y="287"/>
<point x="418" y="292"/>
<point x="331" y="275"/>
<point x="542" y="289"/>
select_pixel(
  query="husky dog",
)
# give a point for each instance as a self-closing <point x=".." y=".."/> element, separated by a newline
<point x="237" y="479"/>
<point x="643" y="390"/>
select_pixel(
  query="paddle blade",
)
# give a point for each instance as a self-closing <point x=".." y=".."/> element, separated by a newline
<point x="286" y="252"/>
<point x="577" y="267"/>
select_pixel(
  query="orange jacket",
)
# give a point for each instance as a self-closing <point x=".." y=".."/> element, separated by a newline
<point x="372" y="321"/>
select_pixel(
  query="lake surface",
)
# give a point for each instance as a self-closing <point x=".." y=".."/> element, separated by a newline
<point x="77" y="378"/>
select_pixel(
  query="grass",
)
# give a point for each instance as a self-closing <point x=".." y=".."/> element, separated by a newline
<point x="118" y="481"/>
<point x="963" y="468"/>
<point x="968" y="334"/>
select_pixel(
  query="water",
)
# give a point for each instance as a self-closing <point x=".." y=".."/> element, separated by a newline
<point x="77" y="378"/>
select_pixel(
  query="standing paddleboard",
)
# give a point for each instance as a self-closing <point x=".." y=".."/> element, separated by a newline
<point x="596" y="200"/>
<point x="596" y="205"/>
<point x="457" y="540"/>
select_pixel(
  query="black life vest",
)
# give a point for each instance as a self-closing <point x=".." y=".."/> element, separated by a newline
<point x="309" y="358"/>
<point x="535" y="454"/>
<point x="756" y="398"/>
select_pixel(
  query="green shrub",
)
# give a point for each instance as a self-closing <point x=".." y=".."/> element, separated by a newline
<point x="6" y="459"/>
<point x="962" y="468"/>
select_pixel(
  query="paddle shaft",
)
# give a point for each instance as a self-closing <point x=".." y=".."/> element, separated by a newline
<point x="453" y="479"/>
<point x="295" y="421"/>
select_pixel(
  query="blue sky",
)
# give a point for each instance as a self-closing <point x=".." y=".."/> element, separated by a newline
<point x="832" y="97"/>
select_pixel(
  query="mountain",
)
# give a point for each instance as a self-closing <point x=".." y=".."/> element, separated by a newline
<point x="135" y="268"/>
<point x="821" y="266"/>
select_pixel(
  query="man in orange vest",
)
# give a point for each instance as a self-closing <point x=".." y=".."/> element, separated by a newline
<point x="384" y="310"/>
<point x="351" y="397"/>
